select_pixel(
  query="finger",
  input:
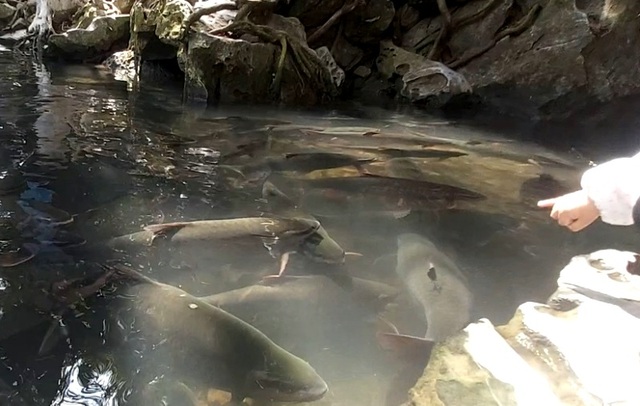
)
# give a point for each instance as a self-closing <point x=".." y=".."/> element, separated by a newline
<point x="547" y="202"/>
<point x="581" y="223"/>
<point x="565" y="220"/>
<point x="555" y="212"/>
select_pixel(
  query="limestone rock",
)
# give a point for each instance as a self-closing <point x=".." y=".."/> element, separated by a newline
<point x="422" y="35"/>
<point x="422" y="79"/>
<point x="478" y="367"/>
<point x="365" y="24"/>
<point x="579" y="349"/>
<point x="98" y="37"/>
<point x="122" y="65"/>
<point x="169" y="25"/>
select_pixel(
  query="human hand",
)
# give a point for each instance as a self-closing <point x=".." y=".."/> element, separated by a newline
<point x="575" y="210"/>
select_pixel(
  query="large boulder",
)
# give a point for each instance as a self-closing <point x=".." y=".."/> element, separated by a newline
<point x="581" y="348"/>
<point x="574" y="53"/>
<point x="100" y="36"/>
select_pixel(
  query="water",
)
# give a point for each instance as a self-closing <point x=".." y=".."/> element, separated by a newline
<point x="96" y="162"/>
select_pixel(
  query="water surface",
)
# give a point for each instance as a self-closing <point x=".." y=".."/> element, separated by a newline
<point x="99" y="162"/>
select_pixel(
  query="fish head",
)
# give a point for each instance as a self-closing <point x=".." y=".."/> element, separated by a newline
<point x="285" y="378"/>
<point x="320" y="247"/>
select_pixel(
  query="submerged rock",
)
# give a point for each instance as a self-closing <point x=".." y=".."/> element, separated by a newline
<point x="422" y="79"/>
<point x="579" y="349"/>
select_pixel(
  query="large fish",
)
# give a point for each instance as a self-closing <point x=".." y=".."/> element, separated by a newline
<point x="406" y="193"/>
<point x="309" y="313"/>
<point x="438" y="285"/>
<point x="207" y="344"/>
<point x="216" y="230"/>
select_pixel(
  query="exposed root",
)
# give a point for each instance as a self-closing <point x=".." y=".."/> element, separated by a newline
<point x="275" y="86"/>
<point x="197" y="14"/>
<point x="444" y="29"/>
<point x="345" y="9"/>
<point x="305" y="60"/>
<point x="522" y="25"/>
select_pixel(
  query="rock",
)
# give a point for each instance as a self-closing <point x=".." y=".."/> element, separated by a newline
<point x="236" y="70"/>
<point x="407" y="16"/>
<point x="6" y="10"/>
<point x="124" y="6"/>
<point x="579" y="349"/>
<point x="421" y="35"/>
<point x="169" y="24"/>
<point x="313" y="13"/>
<point x="365" y="24"/>
<point x="121" y="64"/>
<point x="101" y="35"/>
<point x="346" y="54"/>
<point x="481" y="31"/>
<point x="337" y="74"/>
<point x="422" y="79"/>
<point x="570" y="56"/>
<point x="362" y="71"/>
<point x="478" y="367"/>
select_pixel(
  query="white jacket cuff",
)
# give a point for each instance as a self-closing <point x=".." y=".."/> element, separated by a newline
<point x="614" y="187"/>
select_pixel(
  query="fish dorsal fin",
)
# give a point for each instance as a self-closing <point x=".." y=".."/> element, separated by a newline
<point x="405" y="346"/>
<point x="165" y="229"/>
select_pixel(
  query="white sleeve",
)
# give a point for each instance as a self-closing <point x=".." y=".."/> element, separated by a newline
<point x="614" y="187"/>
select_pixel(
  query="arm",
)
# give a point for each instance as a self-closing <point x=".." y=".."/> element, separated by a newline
<point x="614" y="188"/>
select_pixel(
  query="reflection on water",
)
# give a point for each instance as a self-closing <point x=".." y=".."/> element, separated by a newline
<point x="84" y="162"/>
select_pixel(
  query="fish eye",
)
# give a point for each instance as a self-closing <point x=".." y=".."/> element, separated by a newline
<point x="432" y="272"/>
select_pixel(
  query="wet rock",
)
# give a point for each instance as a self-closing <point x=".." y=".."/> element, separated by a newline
<point x="98" y="37"/>
<point x="580" y="348"/>
<point x="365" y="24"/>
<point x="421" y="79"/>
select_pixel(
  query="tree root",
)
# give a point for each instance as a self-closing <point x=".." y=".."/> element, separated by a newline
<point x="197" y="14"/>
<point x="305" y="60"/>
<point x="345" y="9"/>
<point x="450" y="23"/>
<point x="275" y="86"/>
<point x="522" y="25"/>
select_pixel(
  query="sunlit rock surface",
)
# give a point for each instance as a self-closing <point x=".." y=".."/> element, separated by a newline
<point x="579" y="349"/>
<point x="100" y="36"/>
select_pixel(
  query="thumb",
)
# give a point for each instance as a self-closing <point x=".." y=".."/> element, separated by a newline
<point x="547" y="202"/>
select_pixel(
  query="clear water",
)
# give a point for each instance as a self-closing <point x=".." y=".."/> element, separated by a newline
<point x="100" y="162"/>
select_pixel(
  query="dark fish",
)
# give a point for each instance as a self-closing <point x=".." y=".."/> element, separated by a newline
<point x="203" y="340"/>
<point x="397" y="191"/>
<point x="310" y="313"/>
<point x="411" y="152"/>
<point x="11" y="258"/>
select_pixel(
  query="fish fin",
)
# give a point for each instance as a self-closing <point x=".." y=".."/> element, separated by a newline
<point x="24" y="254"/>
<point x="129" y="273"/>
<point x="385" y="326"/>
<point x="405" y="346"/>
<point x="52" y="337"/>
<point x="164" y="229"/>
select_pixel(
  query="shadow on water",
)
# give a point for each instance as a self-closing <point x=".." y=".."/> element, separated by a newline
<point x="83" y="162"/>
